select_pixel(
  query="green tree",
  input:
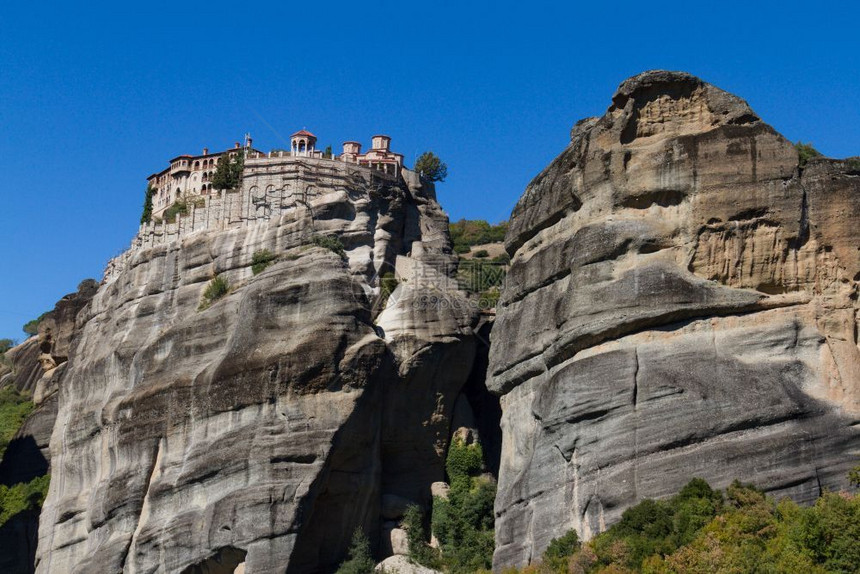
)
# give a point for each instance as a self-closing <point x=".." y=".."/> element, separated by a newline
<point x="463" y="523"/>
<point x="430" y="167"/>
<point x="467" y="232"/>
<point x="806" y="152"/>
<point x="228" y="171"/>
<point x="32" y="327"/>
<point x="5" y="345"/>
<point x="416" y="534"/>
<point x="146" y="216"/>
<point x="327" y="153"/>
<point x="359" y="558"/>
<point x="559" y="551"/>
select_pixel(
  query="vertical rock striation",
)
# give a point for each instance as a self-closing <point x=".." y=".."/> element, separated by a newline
<point x="690" y="299"/>
<point x="261" y="429"/>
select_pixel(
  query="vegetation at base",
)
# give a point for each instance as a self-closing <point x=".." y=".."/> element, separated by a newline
<point x="14" y="408"/>
<point x="217" y="288"/>
<point x="23" y="496"/>
<point x="228" y="171"/>
<point x="701" y="530"/>
<point x="359" y="558"/>
<point x="146" y="216"/>
<point x="806" y="152"/>
<point x="558" y="553"/>
<point x="416" y="533"/>
<point x="32" y="327"/>
<point x="430" y="168"/>
<point x="261" y="259"/>
<point x="327" y="242"/>
<point x="463" y="524"/>
<point x="854" y="477"/>
<point x="179" y="207"/>
<point x="468" y="232"/>
<point x="481" y="254"/>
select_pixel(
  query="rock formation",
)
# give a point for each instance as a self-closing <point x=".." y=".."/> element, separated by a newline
<point x="682" y="302"/>
<point x="34" y="368"/>
<point x="259" y="431"/>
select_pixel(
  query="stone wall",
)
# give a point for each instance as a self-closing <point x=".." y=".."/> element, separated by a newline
<point x="272" y="188"/>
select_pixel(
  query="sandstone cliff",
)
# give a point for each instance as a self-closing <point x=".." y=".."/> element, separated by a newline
<point x="682" y="302"/>
<point x="265" y="428"/>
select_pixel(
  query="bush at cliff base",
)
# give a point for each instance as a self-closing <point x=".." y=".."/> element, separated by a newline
<point x="463" y="524"/>
<point x="14" y="408"/>
<point x="702" y="530"/>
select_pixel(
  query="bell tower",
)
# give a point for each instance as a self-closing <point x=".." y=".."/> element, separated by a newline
<point x="303" y="143"/>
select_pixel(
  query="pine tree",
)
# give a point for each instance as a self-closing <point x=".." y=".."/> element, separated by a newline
<point x="430" y="167"/>
<point x="146" y="216"/>
<point x="228" y="171"/>
<point x="360" y="559"/>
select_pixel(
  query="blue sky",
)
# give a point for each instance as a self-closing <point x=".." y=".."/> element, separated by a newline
<point x="96" y="96"/>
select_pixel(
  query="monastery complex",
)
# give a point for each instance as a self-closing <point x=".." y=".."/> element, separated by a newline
<point x="190" y="176"/>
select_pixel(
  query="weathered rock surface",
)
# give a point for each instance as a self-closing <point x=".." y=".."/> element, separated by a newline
<point x="35" y="366"/>
<point x="402" y="565"/>
<point x="682" y="302"/>
<point x="23" y="369"/>
<point x="257" y="430"/>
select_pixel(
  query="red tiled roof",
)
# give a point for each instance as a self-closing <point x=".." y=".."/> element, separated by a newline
<point x="303" y="133"/>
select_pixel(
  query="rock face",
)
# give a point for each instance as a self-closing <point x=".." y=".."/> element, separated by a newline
<point x="34" y="368"/>
<point x="263" y="429"/>
<point x="682" y="302"/>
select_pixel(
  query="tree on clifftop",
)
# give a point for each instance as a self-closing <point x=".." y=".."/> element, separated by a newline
<point x="146" y="216"/>
<point x="430" y="167"/>
<point x="228" y="172"/>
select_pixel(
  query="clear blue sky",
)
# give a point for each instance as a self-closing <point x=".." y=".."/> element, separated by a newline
<point x="96" y="96"/>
